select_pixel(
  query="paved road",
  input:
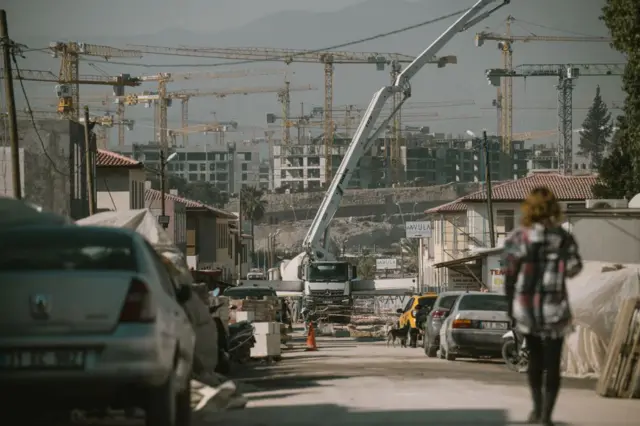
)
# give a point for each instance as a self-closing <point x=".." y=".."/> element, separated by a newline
<point x="364" y="383"/>
<point x="348" y="382"/>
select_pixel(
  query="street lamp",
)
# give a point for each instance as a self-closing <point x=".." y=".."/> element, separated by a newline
<point x="487" y="177"/>
<point x="163" y="219"/>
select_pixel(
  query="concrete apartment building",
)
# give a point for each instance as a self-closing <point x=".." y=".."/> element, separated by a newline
<point x="51" y="166"/>
<point x="228" y="166"/>
<point x="301" y="167"/>
<point x="438" y="161"/>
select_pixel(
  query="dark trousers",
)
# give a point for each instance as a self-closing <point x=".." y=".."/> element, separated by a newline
<point x="544" y="356"/>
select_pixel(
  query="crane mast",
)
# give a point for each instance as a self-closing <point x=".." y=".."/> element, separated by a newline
<point x="316" y="240"/>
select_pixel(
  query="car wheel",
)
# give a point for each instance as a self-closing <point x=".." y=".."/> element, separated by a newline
<point x="450" y="357"/>
<point x="161" y="409"/>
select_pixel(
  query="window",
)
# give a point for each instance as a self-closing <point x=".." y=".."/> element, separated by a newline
<point x="212" y="166"/>
<point x="247" y="156"/>
<point x="244" y="176"/>
<point x="193" y="167"/>
<point x="212" y="177"/>
<point x="66" y="249"/>
<point x="196" y="156"/>
<point x="193" y="177"/>
<point x="203" y="177"/>
<point x="244" y="167"/>
<point x="203" y="167"/>
<point x="484" y="302"/>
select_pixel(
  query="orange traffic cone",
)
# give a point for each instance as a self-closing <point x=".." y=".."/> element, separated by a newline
<point x="311" y="339"/>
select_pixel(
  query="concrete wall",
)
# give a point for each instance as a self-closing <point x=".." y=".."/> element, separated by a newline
<point x="362" y="202"/>
<point x="177" y="227"/>
<point x="608" y="238"/>
<point x="114" y="188"/>
<point x="53" y="173"/>
<point x="207" y="241"/>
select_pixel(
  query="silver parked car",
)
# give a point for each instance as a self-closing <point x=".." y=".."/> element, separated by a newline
<point x="90" y="319"/>
<point x="435" y="318"/>
<point x="475" y="326"/>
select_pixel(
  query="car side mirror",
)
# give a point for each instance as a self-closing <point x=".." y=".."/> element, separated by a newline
<point x="399" y="311"/>
<point x="183" y="294"/>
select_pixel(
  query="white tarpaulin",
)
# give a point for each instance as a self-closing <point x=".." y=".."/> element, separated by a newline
<point x="141" y="221"/>
<point x="596" y="298"/>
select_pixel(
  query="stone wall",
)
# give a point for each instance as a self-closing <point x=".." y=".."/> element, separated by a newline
<point x="366" y="197"/>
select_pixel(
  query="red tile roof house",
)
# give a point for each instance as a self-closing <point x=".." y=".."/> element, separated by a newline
<point x="119" y="182"/>
<point x="462" y="224"/>
<point x="204" y="231"/>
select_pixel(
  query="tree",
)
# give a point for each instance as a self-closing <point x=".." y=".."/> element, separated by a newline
<point x="409" y="248"/>
<point x="252" y="207"/>
<point x="597" y="128"/>
<point x="367" y="268"/>
<point x="619" y="172"/>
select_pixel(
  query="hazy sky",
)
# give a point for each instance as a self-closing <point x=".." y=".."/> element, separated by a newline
<point x="318" y="24"/>
<point x="132" y="17"/>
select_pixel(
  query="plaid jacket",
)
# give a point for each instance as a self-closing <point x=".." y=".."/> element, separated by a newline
<point x="537" y="261"/>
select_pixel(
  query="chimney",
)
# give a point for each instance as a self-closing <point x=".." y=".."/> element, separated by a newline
<point x="147" y="184"/>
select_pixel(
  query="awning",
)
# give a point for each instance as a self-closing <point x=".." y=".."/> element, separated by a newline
<point x="472" y="258"/>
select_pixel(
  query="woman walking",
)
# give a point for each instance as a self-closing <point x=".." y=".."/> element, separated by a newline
<point x="538" y="257"/>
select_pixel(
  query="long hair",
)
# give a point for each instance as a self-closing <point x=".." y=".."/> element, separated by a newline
<point x="541" y="206"/>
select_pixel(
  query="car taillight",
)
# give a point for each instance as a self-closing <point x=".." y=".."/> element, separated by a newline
<point x="437" y="314"/>
<point x="461" y="323"/>
<point x="137" y="305"/>
<point x="413" y="313"/>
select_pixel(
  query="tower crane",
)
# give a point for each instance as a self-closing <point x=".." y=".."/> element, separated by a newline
<point x="566" y="75"/>
<point x="185" y="95"/>
<point x="68" y="89"/>
<point x="202" y="128"/>
<point x="164" y="78"/>
<point x="103" y="122"/>
<point x="504" y="98"/>
<point x="288" y="56"/>
<point x="67" y="96"/>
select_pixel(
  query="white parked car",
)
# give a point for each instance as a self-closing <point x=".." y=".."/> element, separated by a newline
<point x="474" y="326"/>
<point x="91" y="319"/>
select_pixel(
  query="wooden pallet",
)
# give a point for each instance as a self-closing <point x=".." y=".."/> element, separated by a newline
<point x="620" y="377"/>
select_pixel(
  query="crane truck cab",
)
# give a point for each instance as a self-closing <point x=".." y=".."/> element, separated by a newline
<point x="327" y="290"/>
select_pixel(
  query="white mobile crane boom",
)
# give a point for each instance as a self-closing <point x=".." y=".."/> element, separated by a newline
<point x="328" y="284"/>
<point x="316" y="241"/>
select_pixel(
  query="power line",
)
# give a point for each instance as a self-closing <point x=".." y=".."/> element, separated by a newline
<point x="304" y="52"/>
<point x="32" y="118"/>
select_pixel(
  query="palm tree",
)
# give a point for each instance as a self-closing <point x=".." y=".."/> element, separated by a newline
<point x="252" y="207"/>
<point x="409" y="248"/>
<point x="367" y="268"/>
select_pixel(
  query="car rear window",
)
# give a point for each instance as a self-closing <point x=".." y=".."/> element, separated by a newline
<point x="446" y="302"/>
<point x="66" y="249"/>
<point x="241" y="293"/>
<point x="427" y="301"/>
<point x="483" y="302"/>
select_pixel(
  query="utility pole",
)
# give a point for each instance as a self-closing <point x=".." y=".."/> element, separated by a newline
<point x="163" y="191"/>
<point x="487" y="174"/>
<point x="88" y="164"/>
<point x="11" y="105"/>
<point x="240" y="239"/>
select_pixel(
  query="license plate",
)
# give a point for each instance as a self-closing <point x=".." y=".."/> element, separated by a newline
<point x="42" y="360"/>
<point x="494" y="325"/>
